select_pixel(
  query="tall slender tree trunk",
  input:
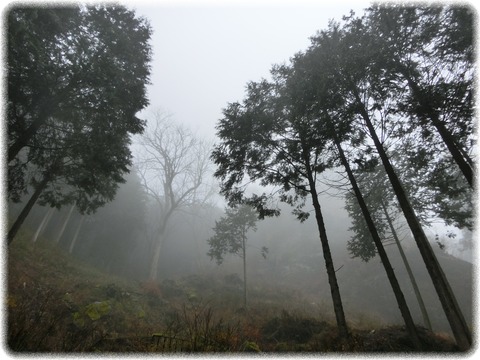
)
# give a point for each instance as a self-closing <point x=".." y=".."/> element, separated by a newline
<point x="244" y="257"/>
<point x="466" y="156"/>
<point x="459" y="155"/>
<point x="65" y="223"/>
<point x="418" y="295"/>
<point x="75" y="236"/>
<point x="43" y="224"/>
<point x="453" y="147"/>
<point x="402" y="304"/>
<point x="26" y="210"/>
<point x="327" y="256"/>
<point x="449" y="303"/>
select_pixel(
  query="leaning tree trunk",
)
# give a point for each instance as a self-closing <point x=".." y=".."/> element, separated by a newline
<point x="23" y="139"/>
<point x="459" y="155"/>
<point x="43" y="224"/>
<point x="26" y="209"/>
<point x="65" y="223"/>
<point x="75" y="236"/>
<point x="332" y="277"/>
<point x="418" y="295"/>
<point x="402" y="304"/>
<point x="449" y="303"/>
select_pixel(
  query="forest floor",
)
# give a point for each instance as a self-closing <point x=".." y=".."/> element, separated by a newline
<point x="58" y="304"/>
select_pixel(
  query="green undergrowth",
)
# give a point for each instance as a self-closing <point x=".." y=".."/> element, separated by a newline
<point x="56" y="303"/>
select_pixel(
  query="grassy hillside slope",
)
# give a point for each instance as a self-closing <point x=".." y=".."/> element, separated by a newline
<point x="57" y="304"/>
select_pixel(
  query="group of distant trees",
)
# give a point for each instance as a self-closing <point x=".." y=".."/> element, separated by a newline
<point x="392" y="88"/>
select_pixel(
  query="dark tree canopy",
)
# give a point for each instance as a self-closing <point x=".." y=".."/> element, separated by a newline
<point x="76" y="78"/>
<point x="397" y="81"/>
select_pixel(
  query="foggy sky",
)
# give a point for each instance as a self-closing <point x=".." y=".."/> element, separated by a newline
<point x="205" y="52"/>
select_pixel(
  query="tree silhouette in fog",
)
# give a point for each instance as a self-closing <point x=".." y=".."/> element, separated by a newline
<point x="173" y="164"/>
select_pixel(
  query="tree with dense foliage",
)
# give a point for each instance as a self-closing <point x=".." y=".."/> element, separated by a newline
<point x="173" y="164"/>
<point x="320" y="99"/>
<point x="370" y="91"/>
<point x="430" y="50"/>
<point x="231" y="238"/>
<point x="354" y="77"/>
<point x="373" y="95"/>
<point x="76" y="78"/>
<point x="270" y="140"/>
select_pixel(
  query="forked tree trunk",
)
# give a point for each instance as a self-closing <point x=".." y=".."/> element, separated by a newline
<point x="402" y="304"/>
<point x="418" y="295"/>
<point x="449" y="303"/>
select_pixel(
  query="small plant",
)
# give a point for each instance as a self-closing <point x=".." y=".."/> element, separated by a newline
<point x="290" y="328"/>
<point x="195" y="328"/>
<point x="42" y="321"/>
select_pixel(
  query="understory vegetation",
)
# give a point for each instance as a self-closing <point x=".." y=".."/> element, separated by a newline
<point x="58" y="304"/>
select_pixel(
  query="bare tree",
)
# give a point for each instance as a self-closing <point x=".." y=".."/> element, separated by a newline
<point x="173" y="164"/>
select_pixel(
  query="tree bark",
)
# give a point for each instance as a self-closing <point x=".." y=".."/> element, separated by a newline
<point x="402" y="304"/>
<point x="449" y="303"/>
<point x="26" y="210"/>
<point x="452" y="146"/>
<point x="332" y="277"/>
<point x="418" y="295"/>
